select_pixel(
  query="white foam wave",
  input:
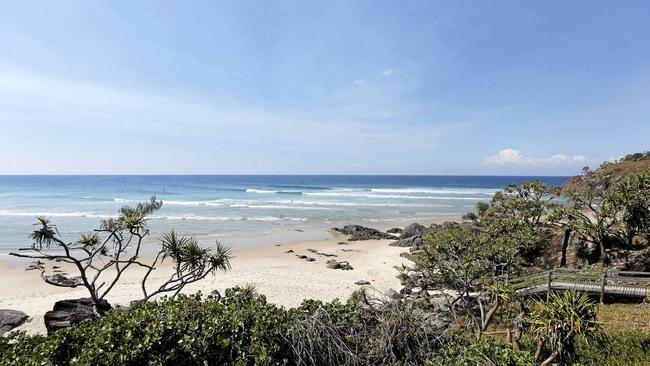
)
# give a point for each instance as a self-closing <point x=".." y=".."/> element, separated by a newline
<point x="389" y="196"/>
<point x="53" y="214"/>
<point x="264" y="191"/>
<point x="434" y="191"/>
<point x="215" y="203"/>
<point x="229" y="218"/>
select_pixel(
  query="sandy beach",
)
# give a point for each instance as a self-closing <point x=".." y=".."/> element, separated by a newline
<point x="284" y="278"/>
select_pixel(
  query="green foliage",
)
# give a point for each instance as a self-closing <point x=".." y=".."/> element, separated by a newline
<point x="562" y="319"/>
<point x="517" y="220"/>
<point x="483" y="352"/>
<point x="631" y="198"/>
<point x="627" y="348"/>
<point x="237" y="329"/>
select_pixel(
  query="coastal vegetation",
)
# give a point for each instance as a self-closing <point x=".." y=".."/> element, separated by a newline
<point x="458" y="305"/>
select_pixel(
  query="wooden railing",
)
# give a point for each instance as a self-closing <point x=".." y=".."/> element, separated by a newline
<point x="607" y="282"/>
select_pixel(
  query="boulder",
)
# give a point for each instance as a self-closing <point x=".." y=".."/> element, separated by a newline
<point x="10" y="319"/>
<point x="67" y="313"/>
<point x="394" y="230"/>
<point x="362" y="282"/>
<point x="413" y="230"/>
<point x="334" y="264"/>
<point x="414" y="241"/>
<point x="358" y="232"/>
<point x="392" y="294"/>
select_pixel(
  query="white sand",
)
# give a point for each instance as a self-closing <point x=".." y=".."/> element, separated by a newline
<point x="285" y="279"/>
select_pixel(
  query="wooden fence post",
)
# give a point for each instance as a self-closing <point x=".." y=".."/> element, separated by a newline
<point x="602" y="287"/>
<point x="548" y="289"/>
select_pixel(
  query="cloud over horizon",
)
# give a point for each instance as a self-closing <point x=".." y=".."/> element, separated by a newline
<point x="512" y="156"/>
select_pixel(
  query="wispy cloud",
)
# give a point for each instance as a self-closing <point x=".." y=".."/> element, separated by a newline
<point x="388" y="72"/>
<point x="358" y="82"/>
<point x="82" y="110"/>
<point x="515" y="157"/>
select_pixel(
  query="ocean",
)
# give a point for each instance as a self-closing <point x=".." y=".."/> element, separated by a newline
<point x="240" y="210"/>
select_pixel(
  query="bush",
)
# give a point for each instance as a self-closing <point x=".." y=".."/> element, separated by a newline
<point x="627" y="348"/>
<point x="357" y="333"/>
<point x="240" y="328"/>
<point x="461" y="352"/>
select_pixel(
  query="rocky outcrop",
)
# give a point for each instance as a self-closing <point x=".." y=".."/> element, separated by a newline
<point x="414" y="241"/>
<point x="358" y="232"/>
<point x="67" y="313"/>
<point x="413" y="235"/>
<point x="414" y="230"/>
<point x="10" y="319"/>
<point x="334" y="264"/>
<point x="394" y="230"/>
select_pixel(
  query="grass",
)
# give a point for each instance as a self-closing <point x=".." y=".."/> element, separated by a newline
<point x="619" y="318"/>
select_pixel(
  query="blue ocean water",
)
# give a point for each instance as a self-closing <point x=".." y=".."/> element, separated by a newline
<point x="241" y="210"/>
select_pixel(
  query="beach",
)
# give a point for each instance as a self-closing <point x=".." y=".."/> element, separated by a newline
<point x="282" y="277"/>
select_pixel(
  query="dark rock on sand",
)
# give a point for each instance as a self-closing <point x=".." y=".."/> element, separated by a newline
<point x="413" y="230"/>
<point x="414" y="241"/>
<point x="358" y="232"/>
<point x="67" y="313"/>
<point x="392" y="294"/>
<point x="394" y="230"/>
<point x="362" y="283"/>
<point x="334" y="264"/>
<point x="10" y="319"/>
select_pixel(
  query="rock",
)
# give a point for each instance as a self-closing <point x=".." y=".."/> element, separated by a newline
<point x="310" y="259"/>
<point x="362" y="283"/>
<point x="414" y="241"/>
<point x="394" y="230"/>
<point x="301" y="256"/>
<point x="67" y="313"/>
<point x="289" y="251"/>
<point x="407" y="255"/>
<point x="392" y="294"/>
<point x="321" y="253"/>
<point x="413" y="230"/>
<point x="10" y="319"/>
<point x="343" y="243"/>
<point x="358" y="232"/>
<point x="334" y="264"/>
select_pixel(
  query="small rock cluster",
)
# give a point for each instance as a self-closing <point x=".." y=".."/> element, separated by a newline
<point x="358" y="232"/>
<point x="334" y="264"/>
<point x="10" y="319"/>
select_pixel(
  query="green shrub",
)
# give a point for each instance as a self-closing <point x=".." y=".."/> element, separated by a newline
<point x="627" y="348"/>
<point x="239" y="329"/>
<point x="459" y="351"/>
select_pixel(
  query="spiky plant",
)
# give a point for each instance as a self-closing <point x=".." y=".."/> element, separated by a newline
<point x="560" y="320"/>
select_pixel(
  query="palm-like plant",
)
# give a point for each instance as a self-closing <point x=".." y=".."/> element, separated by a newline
<point x="562" y="319"/>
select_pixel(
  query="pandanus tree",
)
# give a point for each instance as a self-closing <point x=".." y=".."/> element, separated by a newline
<point x="100" y="259"/>
<point x="559" y="321"/>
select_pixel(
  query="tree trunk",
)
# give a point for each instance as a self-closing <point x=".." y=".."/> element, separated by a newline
<point x="603" y="252"/>
<point x="565" y="245"/>
<point x="538" y="351"/>
<point x="549" y="359"/>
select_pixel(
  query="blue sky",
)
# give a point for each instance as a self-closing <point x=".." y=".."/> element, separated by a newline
<point x="332" y="87"/>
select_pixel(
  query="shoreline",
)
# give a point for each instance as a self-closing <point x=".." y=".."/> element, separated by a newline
<point x="282" y="277"/>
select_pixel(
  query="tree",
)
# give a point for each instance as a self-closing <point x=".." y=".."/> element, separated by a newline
<point x="517" y="218"/>
<point x="562" y="319"/>
<point x="592" y="217"/>
<point x="458" y="260"/>
<point x="102" y="257"/>
<point x="631" y="198"/>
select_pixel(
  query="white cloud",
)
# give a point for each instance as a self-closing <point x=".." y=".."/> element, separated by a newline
<point x="388" y="72"/>
<point x="515" y="157"/>
<point x="358" y="82"/>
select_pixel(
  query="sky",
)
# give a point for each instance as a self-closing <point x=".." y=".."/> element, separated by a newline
<point x="332" y="87"/>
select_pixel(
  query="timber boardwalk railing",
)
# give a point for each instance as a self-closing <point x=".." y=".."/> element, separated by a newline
<point x="607" y="282"/>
